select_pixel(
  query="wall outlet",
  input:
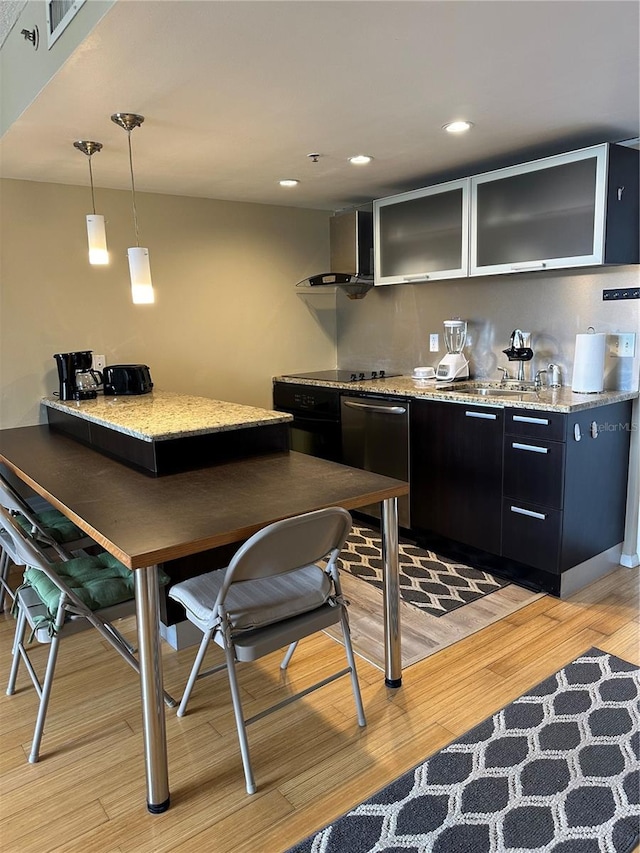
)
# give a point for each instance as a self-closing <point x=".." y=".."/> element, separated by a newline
<point x="622" y="344"/>
<point x="99" y="362"/>
<point x="434" y="342"/>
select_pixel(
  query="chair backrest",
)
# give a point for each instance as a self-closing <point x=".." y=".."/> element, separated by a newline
<point x="289" y="544"/>
<point x="31" y="555"/>
<point x="14" y="502"/>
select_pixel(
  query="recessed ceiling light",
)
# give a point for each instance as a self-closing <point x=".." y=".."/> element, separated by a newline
<point x="289" y="182"/>
<point x="360" y="159"/>
<point x="457" y="126"/>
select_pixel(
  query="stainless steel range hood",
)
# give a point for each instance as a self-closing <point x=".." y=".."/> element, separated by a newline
<point x="351" y="253"/>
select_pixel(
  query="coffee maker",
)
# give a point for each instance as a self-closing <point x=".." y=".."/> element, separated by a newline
<point x="78" y="381"/>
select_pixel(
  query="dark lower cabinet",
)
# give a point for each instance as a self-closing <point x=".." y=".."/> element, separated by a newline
<point x="565" y="499"/>
<point x="456" y="472"/>
<point x="541" y="491"/>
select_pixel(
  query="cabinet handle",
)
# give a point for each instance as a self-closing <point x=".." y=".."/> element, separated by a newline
<point x="484" y="415"/>
<point x="541" y="516"/>
<point x="523" y="419"/>
<point x="385" y="410"/>
<point x="524" y="267"/>
<point x="533" y="448"/>
<point x="421" y="277"/>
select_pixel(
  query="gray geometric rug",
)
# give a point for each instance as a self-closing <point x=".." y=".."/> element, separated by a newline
<point x="556" y="770"/>
<point x="427" y="581"/>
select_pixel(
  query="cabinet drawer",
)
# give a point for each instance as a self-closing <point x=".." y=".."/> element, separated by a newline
<point x="534" y="470"/>
<point x="535" y="423"/>
<point x="531" y="534"/>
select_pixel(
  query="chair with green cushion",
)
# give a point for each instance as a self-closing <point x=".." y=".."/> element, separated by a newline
<point x="51" y="528"/>
<point x="61" y="598"/>
<point x="272" y="594"/>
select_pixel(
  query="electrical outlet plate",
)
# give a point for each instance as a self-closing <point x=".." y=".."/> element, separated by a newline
<point x="434" y="343"/>
<point x="622" y="344"/>
<point x="99" y="362"/>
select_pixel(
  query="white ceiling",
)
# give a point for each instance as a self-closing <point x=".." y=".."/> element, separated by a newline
<point x="236" y="94"/>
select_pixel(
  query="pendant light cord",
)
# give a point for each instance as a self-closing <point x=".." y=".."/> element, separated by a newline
<point x="133" y="192"/>
<point x="93" y="199"/>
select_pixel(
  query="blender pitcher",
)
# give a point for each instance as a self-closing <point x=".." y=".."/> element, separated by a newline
<point x="454" y="365"/>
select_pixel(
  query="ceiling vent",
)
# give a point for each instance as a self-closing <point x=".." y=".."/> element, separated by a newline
<point x="60" y="13"/>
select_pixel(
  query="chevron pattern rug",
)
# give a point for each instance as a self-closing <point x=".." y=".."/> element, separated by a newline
<point x="556" y="771"/>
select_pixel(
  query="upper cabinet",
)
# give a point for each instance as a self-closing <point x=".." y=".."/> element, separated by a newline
<point x="422" y="235"/>
<point x="572" y="210"/>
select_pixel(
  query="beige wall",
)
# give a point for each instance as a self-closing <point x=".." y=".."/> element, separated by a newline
<point x="227" y="316"/>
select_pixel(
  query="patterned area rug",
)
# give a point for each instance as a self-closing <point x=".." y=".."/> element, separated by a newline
<point x="427" y="581"/>
<point x="556" y="770"/>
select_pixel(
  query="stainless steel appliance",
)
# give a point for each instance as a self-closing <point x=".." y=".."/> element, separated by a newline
<point x="375" y="437"/>
<point x="316" y="418"/>
<point x="126" y="379"/>
<point x="77" y="379"/>
<point x="351" y="253"/>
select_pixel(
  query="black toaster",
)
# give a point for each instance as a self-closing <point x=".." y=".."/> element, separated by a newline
<point x="126" y="379"/>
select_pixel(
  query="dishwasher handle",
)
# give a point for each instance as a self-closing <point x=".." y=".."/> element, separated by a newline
<point x="369" y="407"/>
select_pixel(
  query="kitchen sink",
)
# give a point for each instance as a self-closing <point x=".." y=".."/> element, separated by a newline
<point x="483" y="389"/>
<point x="497" y="392"/>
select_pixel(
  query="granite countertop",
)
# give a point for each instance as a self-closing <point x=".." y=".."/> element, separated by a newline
<point x="545" y="399"/>
<point x="164" y="415"/>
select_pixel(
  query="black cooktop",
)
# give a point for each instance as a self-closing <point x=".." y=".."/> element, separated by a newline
<point x="342" y="375"/>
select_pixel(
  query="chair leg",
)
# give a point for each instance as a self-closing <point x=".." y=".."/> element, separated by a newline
<point x="288" y="655"/>
<point x="237" y="710"/>
<point x="344" y="621"/>
<point x="21" y="624"/>
<point x="195" y="669"/>
<point x="5" y="590"/>
<point x="47" y="683"/>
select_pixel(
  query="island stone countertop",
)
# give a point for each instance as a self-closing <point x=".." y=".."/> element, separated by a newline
<point x="468" y="391"/>
<point x="162" y="415"/>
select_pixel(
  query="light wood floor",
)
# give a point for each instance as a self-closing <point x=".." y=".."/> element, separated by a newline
<point x="311" y="761"/>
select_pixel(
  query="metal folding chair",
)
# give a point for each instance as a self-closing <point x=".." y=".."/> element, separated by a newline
<point x="53" y="531"/>
<point x="61" y="598"/>
<point x="272" y="594"/>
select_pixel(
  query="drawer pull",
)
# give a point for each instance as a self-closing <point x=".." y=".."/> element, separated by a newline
<point x="484" y="415"/>
<point x="523" y="419"/>
<point x="529" y="512"/>
<point x="533" y="448"/>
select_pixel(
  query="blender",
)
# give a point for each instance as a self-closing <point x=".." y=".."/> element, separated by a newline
<point x="454" y="365"/>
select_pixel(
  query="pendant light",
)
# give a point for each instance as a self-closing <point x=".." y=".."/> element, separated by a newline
<point x="139" y="268"/>
<point x="96" y="233"/>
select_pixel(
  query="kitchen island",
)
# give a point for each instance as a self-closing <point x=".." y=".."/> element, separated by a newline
<point x="163" y="432"/>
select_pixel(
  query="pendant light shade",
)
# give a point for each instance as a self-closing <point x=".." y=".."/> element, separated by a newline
<point x="139" y="266"/>
<point x="96" y="232"/>
<point x="97" y="236"/>
<point x="140" y="273"/>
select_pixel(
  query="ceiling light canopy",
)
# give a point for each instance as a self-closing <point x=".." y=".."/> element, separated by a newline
<point x="360" y="159"/>
<point x="139" y="266"/>
<point x="96" y="232"/>
<point x="459" y="126"/>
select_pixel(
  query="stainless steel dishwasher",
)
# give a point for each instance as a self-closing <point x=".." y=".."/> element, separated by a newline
<point x="375" y="437"/>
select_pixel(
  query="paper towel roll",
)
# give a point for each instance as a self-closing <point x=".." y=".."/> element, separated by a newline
<point x="588" y="364"/>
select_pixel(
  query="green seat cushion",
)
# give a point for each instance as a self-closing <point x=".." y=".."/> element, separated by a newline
<point x="98" y="582"/>
<point x="55" y="524"/>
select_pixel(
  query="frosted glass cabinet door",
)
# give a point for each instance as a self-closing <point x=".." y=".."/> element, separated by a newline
<point x="422" y="235"/>
<point x="547" y="214"/>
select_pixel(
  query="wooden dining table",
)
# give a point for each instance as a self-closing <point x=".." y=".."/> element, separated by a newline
<point x="145" y="521"/>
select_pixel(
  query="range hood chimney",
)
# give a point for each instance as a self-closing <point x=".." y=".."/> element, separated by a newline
<point x="351" y="253"/>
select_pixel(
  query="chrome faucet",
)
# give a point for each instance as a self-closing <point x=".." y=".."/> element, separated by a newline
<point x="519" y="350"/>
